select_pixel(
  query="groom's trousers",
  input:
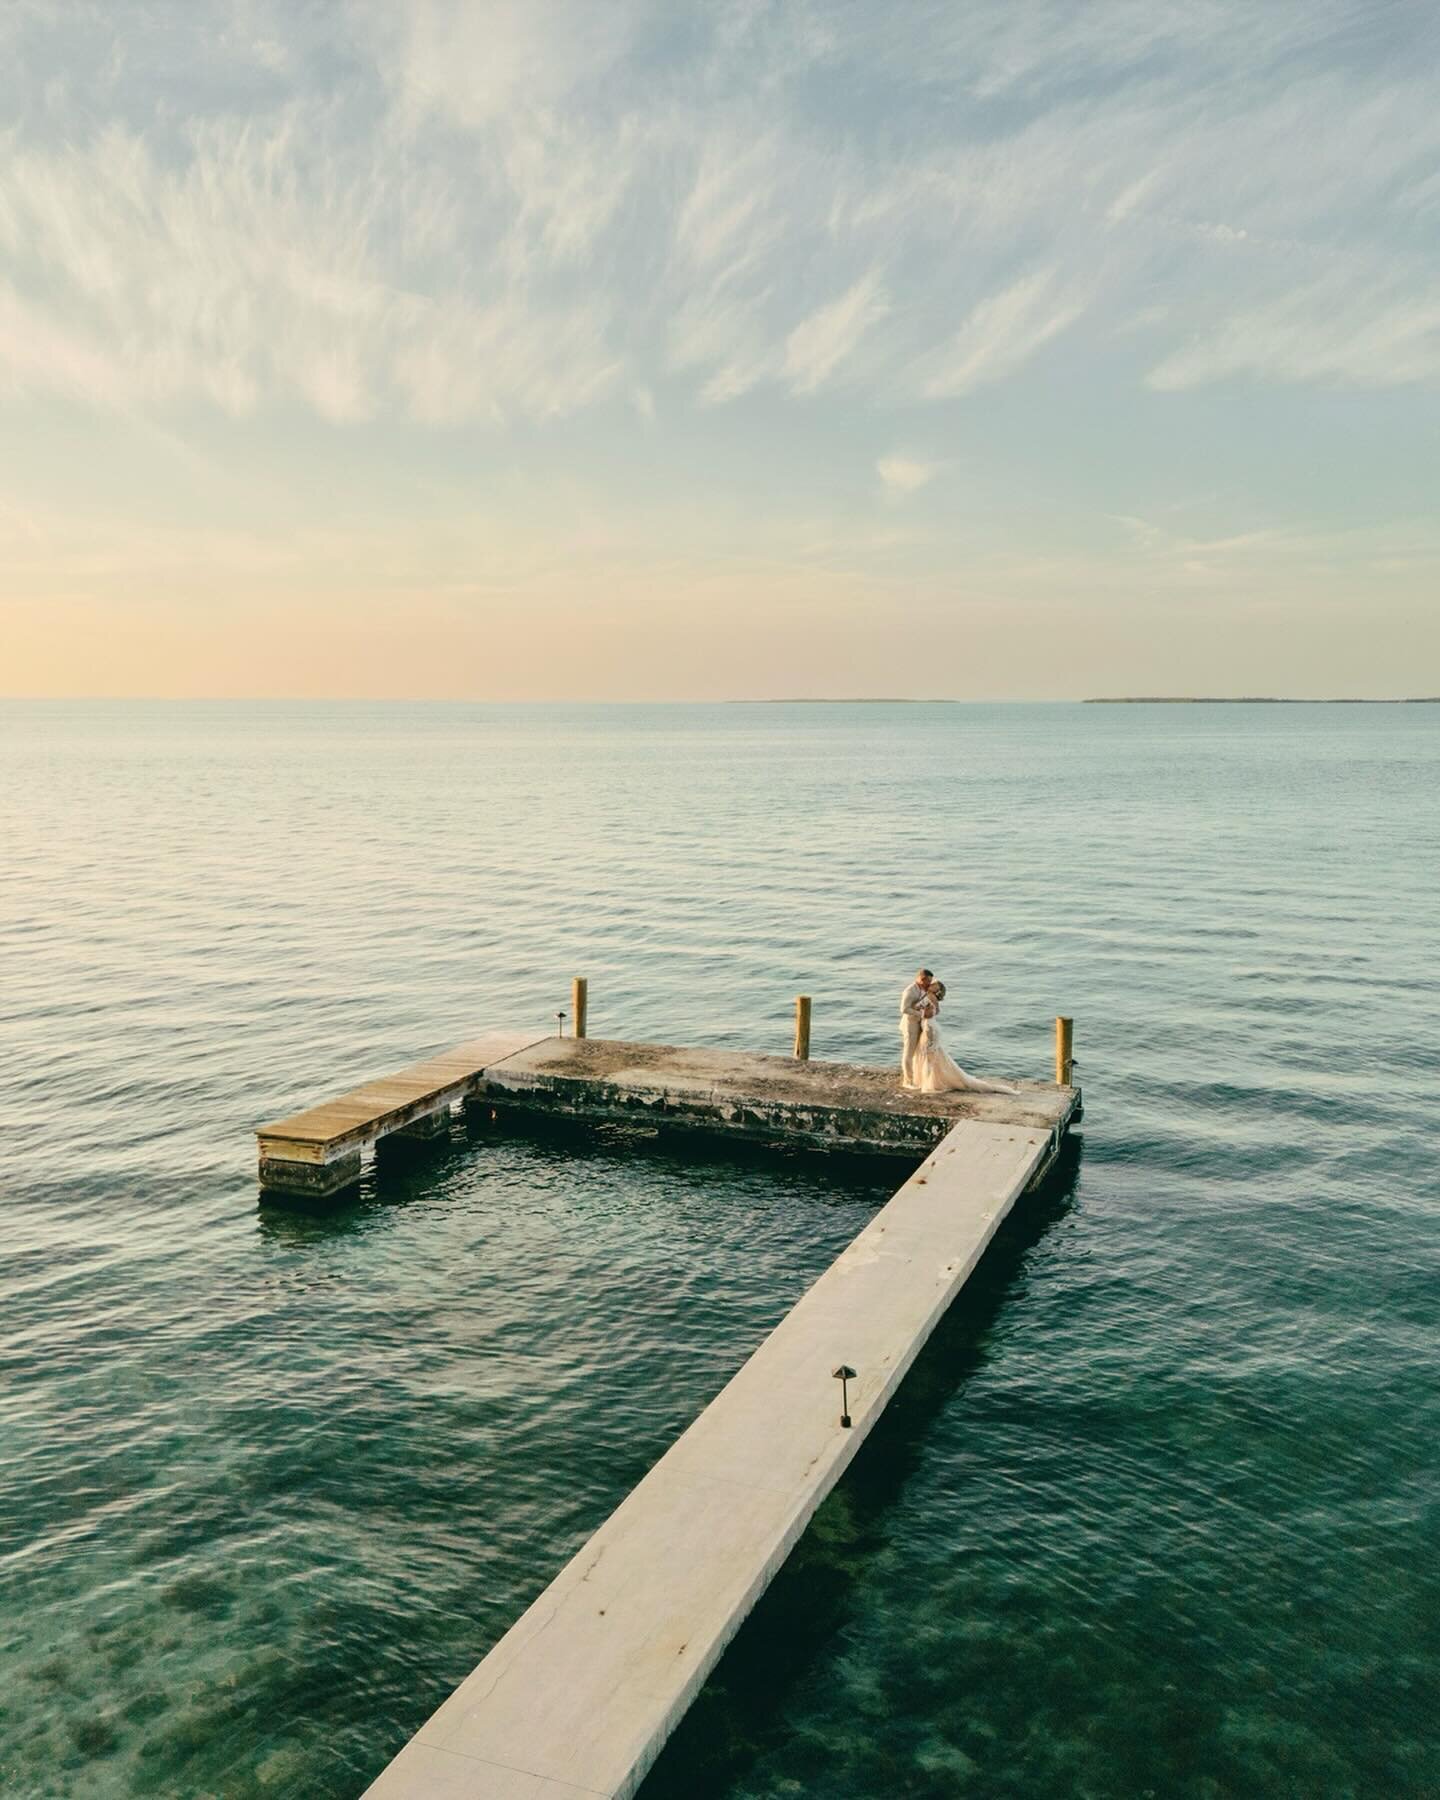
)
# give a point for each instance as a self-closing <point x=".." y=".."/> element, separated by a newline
<point x="909" y="1044"/>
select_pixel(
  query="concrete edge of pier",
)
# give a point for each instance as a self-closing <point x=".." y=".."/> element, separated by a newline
<point x="741" y="1093"/>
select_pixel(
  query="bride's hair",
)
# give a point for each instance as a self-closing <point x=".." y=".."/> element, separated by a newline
<point x="937" y="991"/>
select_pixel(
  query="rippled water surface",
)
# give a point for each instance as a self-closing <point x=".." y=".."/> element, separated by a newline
<point x="1156" y="1512"/>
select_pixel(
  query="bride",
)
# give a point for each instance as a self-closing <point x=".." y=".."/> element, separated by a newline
<point x="939" y="1072"/>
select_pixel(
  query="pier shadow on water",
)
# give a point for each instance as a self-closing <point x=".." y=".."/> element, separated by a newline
<point x="741" y="1712"/>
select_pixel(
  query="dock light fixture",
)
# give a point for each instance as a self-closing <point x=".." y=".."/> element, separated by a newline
<point x="560" y="1024"/>
<point x="845" y="1375"/>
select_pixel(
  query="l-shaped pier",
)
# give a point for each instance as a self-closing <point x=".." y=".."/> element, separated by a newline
<point x="735" y="1093"/>
<point x="581" y="1693"/>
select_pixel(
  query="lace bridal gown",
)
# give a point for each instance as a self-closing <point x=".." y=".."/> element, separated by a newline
<point x="941" y="1074"/>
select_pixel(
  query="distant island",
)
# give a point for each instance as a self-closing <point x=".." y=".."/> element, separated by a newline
<point x="850" y="700"/>
<point x="1104" y="700"/>
<point x="1257" y="700"/>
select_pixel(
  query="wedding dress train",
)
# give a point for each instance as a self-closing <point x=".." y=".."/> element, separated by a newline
<point x="941" y="1074"/>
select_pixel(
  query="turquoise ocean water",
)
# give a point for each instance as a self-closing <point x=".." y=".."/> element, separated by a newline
<point x="1157" y="1512"/>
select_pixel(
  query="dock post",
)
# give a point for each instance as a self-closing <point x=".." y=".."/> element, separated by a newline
<point x="1064" y="1061"/>
<point x="579" y="998"/>
<point x="802" y="1028"/>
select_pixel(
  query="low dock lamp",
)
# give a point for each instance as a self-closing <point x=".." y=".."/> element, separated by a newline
<point x="845" y="1375"/>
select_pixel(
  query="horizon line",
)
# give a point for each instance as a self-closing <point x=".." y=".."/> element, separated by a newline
<point x="733" y="700"/>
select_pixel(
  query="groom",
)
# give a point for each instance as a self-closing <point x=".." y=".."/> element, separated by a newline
<point x="914" y="1003"/>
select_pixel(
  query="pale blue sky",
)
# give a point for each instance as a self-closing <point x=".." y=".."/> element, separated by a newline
<point x="573" y="348"/>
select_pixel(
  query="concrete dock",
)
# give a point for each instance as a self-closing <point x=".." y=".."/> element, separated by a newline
<point x="581" y="1693"/>
<point x="736" y="1093"/>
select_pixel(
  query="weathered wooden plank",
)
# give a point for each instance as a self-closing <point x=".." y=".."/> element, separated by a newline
<point x="369" y="1103"/>
<point x="296" y="1152"/>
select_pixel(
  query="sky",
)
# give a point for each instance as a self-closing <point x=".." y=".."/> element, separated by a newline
<point x="609" y="349"/>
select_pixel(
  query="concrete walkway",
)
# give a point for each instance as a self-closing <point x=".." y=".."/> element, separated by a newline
<point x="743" y="1093"/>
<point x="581" y="1693"/>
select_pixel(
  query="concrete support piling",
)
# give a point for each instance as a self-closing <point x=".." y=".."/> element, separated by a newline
<point x="419" y="1134"/>
<point x="433" y="1125"/>
<point x="307" y="1178"/>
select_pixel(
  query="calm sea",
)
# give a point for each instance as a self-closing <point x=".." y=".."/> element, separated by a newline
<point x="1156" y="1513"/>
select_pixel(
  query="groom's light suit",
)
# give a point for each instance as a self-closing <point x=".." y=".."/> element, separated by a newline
<point x="912" y="1010"/>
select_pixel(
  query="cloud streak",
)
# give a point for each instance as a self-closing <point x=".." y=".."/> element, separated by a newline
<point x="1002" y="333"/>
<point x="1332" y="333"/>
<point x="455" y="214"/>
<point x="819" y="344"/>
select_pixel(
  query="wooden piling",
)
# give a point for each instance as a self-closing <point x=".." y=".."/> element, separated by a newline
<point x="1064" y="1060"/>
<point x="802" y="1028"/>
<point x="579" y="1000"/>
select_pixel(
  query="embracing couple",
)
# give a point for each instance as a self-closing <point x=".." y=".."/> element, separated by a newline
<point x="925" y="1065"/>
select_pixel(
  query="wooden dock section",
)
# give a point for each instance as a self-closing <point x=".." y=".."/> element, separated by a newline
<point x="776" y="1099"/>
<point x="317" y="1152"/>
<point x="581" y="1693"/>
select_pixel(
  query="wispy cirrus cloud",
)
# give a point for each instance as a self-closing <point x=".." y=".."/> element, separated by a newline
<point x="453" y="213"/>
<point x="252" y="267"/>
<point x="1384" y="334"/>
<point x="471" y="65"/>
<point x="1003" y="332"/>
<point x="820" y="343"/>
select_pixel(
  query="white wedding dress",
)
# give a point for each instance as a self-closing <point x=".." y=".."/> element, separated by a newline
<point x="941" y="1074"/>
